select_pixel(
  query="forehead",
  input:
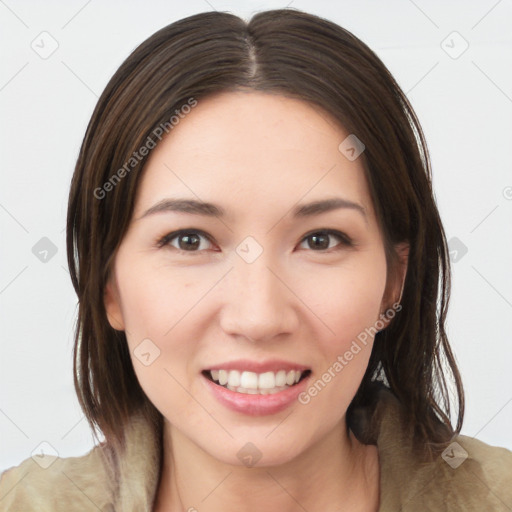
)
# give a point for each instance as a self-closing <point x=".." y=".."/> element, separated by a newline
<point x="253" y="149"/>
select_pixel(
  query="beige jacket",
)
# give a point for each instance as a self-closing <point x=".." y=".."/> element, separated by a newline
<point x="470" y="476"/>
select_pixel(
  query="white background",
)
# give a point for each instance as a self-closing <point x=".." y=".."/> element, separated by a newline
<point x="464" y="105"/>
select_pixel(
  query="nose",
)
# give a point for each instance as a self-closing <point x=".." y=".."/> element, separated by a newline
<point x="257" y="303"/>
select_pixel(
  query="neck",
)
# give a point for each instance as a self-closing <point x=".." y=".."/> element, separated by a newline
<point x="336" y="474"/>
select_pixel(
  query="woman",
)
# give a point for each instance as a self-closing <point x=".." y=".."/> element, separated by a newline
<point x="263" y="282"/>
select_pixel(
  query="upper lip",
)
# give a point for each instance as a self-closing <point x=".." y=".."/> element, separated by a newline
<point x="273" y="365"/>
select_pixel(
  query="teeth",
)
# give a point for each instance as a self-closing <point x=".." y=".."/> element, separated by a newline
<point x="280" y="378"/>
<point x="257" y="391"/>
<point x="233" y="378"/>
<point x="223" y="377"/>
<point x="290" y="378"/>
<point x="249" y="380"/>
<point x="256" y="383"/>
<point x="267" y="380"/>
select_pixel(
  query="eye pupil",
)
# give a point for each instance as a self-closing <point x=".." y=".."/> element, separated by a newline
<point x="320" y="241"/>
<point x="192" y="241"/>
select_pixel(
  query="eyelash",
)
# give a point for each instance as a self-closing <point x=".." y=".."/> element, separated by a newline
<point x="345" y="240"/>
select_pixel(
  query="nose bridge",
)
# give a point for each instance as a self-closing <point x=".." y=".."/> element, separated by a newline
<point x="258" y="284"/>
<point x="258" y="304"/>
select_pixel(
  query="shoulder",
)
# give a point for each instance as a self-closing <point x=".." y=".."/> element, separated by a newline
<point x="58" y="484"/>
<point x="107" y="478"/>
<point x="467" y="475"/>
<point x="481" y="475"/>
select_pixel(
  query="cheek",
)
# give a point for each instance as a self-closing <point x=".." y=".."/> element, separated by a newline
<point x="154" y="300"/>
<point x="155" y="310"/>
<point x="349" y="298"/>
<point x="348" y="302"/>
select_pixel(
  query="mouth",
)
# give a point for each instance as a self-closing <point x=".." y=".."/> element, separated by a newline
<point x="253" y="383"/>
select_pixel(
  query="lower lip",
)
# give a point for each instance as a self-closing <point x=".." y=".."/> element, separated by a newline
<point x="256" y="405"/>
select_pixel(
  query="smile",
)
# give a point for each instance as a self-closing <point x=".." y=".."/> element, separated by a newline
<point x="253" y="383"/>
<point x="256" y="388"/>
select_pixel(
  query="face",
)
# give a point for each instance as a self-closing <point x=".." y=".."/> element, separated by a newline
<point x="256" y="287"/>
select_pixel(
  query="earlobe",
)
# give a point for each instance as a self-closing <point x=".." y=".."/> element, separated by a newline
<point x="113" y="307"/>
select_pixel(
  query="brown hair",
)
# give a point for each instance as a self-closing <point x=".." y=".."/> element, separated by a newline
<point x="298" y="55"/>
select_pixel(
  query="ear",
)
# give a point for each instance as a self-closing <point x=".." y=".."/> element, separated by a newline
<point x="395" y="288"/>
<point x="113" y="305"/>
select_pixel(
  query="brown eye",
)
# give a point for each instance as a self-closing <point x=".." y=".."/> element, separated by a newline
<point x="189" y="241"/>
<point x="324" y="240"/>
<point x="320" y="241"/>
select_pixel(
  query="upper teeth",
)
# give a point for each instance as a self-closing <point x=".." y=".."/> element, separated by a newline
<point x="251" y="380"/>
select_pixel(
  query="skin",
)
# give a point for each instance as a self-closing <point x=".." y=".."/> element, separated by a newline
<point x="257" y="155"/>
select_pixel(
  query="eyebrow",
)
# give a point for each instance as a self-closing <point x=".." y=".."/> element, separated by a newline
<point x="195" y="207"/>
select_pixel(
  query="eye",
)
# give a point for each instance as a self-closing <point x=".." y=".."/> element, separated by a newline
<point x="186" y="240"/>
<point x="322" y="240"/>
<point x="194" y="240"/>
